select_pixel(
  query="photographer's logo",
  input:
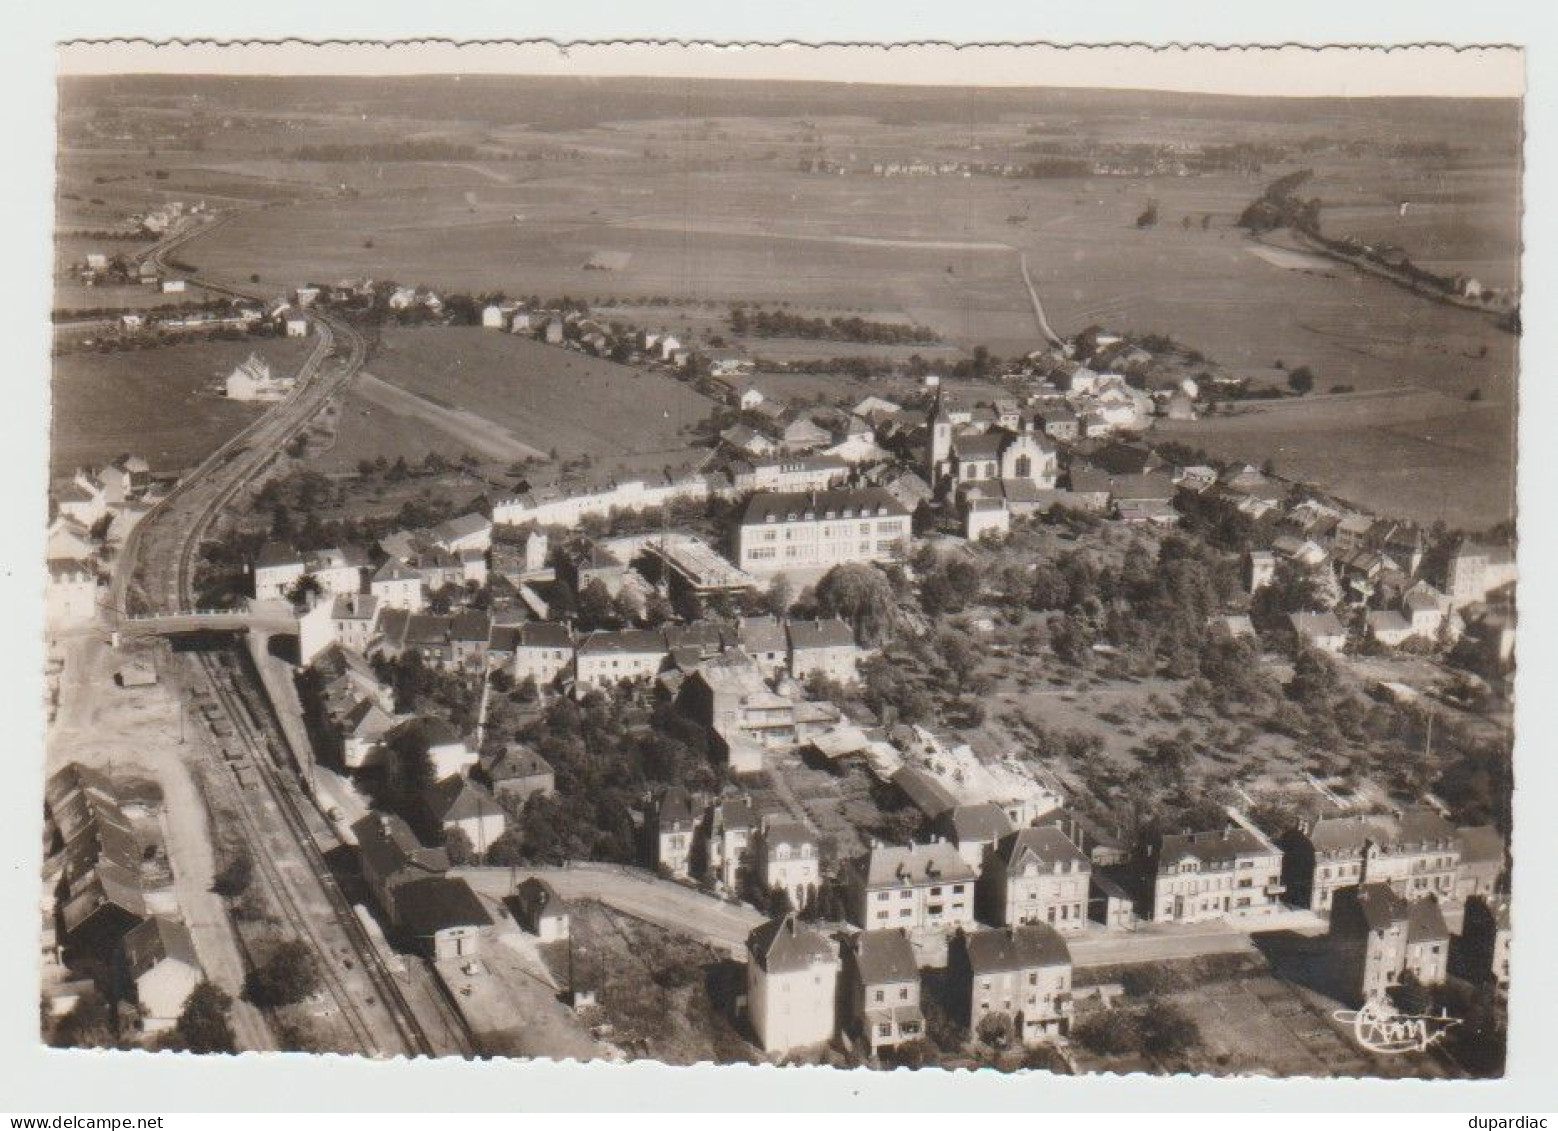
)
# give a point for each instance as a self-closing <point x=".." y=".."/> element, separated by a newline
<point x="1379" y="1028"/>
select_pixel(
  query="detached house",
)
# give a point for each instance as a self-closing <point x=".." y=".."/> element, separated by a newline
<point x="1233" y="872"/>
<point x="672" y="828"/>
<point x="276" y="570"/>
<point x="1036" y="875"/>
<point x="1378" y="937"/>
<point x="398" y="586"/>
<point x="1022" y="972"/>
<point x="922" y="886"/>
<point x="823" y="647"/>
<point x="157" y="960"/>
<point x="456" y="803"/>
<point x="792" y="983"/>
<point x="732" y="823"/>
<point x="541" y="911"/>
<point x="974" y="829"/>
<point x="605" y="659"/>
<point x="517" y="773"/>
<point x="883" y="986"/>
<point x="790" y="860"/>
<point x="543" y="652"/>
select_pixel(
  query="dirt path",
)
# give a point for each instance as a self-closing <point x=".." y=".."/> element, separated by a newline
<point x="136" y="731"/>
<point x="491" y="440"/>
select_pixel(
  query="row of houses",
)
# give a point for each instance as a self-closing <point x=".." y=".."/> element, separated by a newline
<point x="94" y="496"/>
<point x="805" y="987"/>
<point x="112" y="910"/>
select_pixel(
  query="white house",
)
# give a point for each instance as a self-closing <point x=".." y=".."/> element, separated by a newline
<point x="252" y="380"/>
<point x="71" y="597"/>
<point x="789" y="859"/>
<point x="398" y="586"/>
<point x="158" y="958"/>
<point x="276" y="570"/>
<point x="458" y="803"/>
<point x="792" y="983"/>
<point x="297" y="327"/>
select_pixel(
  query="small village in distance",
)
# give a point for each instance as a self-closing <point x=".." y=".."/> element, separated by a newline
<point x="958" y="718"/>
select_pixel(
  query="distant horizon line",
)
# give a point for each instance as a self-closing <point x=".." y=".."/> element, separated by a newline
<point x="1279" y="70"/>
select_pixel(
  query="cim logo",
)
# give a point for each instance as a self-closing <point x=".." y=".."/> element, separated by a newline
<point x="1380" y="1028"/>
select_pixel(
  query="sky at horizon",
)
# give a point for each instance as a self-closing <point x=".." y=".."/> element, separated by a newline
<point x="1277" y="71"/>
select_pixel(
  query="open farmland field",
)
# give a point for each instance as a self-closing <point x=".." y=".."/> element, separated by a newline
<point x="696" y="194"/>
<point x="159" y="403"/>
<point x="542" y="396"/>
<point x="1411" y="453"/>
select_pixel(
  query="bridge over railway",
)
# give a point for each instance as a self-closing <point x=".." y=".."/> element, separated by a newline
<point x="204" y="620"/>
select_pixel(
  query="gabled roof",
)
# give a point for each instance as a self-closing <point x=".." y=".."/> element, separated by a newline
<point x="674" y="807"/>
<point x="545" y="634"/>
<point x="1425" y="922"/>
<point x="634" y="641"/>
<point x="737" y="813"/>
<point x="387" y="845"/>
<point x="514" y="762"/>
<point x="982" y="823"/>
<point x="1046" y="845"/>
<point x="1316" y="624"/>
<point x="277" y="554"/>
<point x="978" y="445"/>
<point x="458" y="798"/>
<point x="792" y="833"/>
<point x="437" y="903"/>
<point x="761" y="634"/>
<point x="820" y="633"/>
<point x="462" y="526"/>
<point x="155" y="940"/>
<point x="539" y="900"/>
<point x="367" y="720"/>
<point x="884" y="956"/>
<point x="396" y="570"/>
<point x="925" y="792"/>
<point x="1028" y="947"/>
<point x="784" y="946"/>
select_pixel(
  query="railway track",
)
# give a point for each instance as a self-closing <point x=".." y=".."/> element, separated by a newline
<point x="342" y="932"/>
<point x="166" y="543"/>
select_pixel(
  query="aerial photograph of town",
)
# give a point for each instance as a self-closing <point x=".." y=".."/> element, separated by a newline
<point x="854" y="574"/>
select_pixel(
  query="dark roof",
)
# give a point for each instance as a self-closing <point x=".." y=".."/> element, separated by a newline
<point x="978" y="445"/>
<point x="1213" y="847"/>
<point x="155" y="939"/>
<point x="387" y="845"/>
<point x="884" y="956"/>
<point x="704" y="635"/>
<point x="277" y="554"/>
<point x="545" y="634"/>
<point x="1016" y="948"/>
<point x="515" y="760"/>
<point x="761" y="634"/>
<point x="472" y="624"/>
<point x="787" y="832"/>
<point x="1047" y="844"/>
<point x="925" y="792"/>
<point x="986" y="821"/>
<point x="539" y="900"/>
<point x="777" y="506"/>
<point x="916" y="864"/>
<point x="786" y="945"/>
<point x="820" y="634"/>
<point x="1425" y="922"/>
<point x="674" y="807"/>
<point x="737" y="813"/>
<point x="437" y="903"/>
<point x="641" y="641"/>
<point x="457" y="798"/>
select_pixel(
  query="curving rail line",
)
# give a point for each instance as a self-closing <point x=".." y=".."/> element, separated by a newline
<point x="176" y="527"/>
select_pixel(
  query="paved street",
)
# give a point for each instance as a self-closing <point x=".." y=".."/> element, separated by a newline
<point x="637" y="893"/>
